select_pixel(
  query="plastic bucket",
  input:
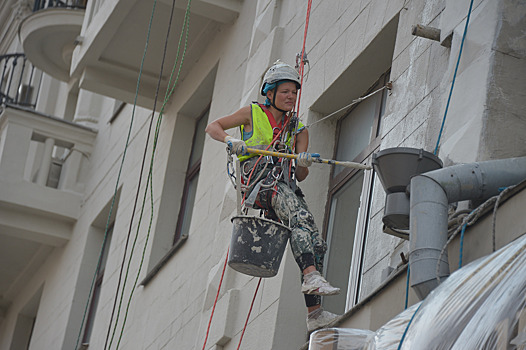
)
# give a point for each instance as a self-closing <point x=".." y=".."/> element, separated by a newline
<point x="257" y="245"/>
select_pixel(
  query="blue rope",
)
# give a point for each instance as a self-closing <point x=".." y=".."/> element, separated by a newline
<point x="406" y="328"/>
<point x="454" y="77"/>
<point x="407" y="287"/>
<point x="461" y="244"/>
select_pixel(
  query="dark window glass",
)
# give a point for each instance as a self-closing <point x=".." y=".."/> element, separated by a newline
<point x="347" y="219"/>
<point x="192" y="178"/>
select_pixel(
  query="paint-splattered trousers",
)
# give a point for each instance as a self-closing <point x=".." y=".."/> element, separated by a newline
<point x="306" y="242"/>
<point x="308" y="246"/>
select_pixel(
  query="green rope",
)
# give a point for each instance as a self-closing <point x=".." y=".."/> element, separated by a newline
<point x="104" y="242"/>
<point x="169" y="92"/>
<point x="133" y="212"/>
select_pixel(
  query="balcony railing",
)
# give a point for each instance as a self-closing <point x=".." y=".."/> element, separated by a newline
<point x="43" y="150"/>
<point x="19" y="80"/>
<point x="73" y="4"/>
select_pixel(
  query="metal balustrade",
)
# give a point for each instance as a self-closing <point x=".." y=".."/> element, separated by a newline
<point x="44" y="4"/>
<point x="19" y="80"/>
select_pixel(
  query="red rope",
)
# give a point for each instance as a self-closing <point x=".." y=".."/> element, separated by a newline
<point x="224" y="268"/>
<point x="248" y="316"/>
<point x="302" y="66"/>
<point x="302" y="61"/>
<point x="215" y="301"/>
<point x="301" y="70"/>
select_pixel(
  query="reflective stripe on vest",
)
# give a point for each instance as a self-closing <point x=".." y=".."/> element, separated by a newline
<point x="262" y="133"/>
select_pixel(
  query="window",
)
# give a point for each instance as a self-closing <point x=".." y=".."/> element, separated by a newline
<point x="192" y="177"/>
<point x="97" y="287"/>
<point x="118" y="106"/>
<point x="25" y="323"/>
<point x="181" y="177"/>
<point x="357" y="137"/>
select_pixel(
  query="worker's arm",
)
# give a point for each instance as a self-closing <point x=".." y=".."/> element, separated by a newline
<point x="216" y="129"/>
<point x="302" y="143"/>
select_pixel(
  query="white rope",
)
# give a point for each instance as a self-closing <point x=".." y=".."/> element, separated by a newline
<point x="471" y="218"/>
<point x="360" y="99"/>
<point x="494" y="219"/>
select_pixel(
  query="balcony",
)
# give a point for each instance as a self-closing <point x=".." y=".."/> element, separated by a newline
<point x="41" y="158"/>
<point x="41" y="184"/>
<point x="110" y="54"/>
<point x="48" y="35"/>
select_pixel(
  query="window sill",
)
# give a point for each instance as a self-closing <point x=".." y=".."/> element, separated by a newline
<point x="163" y="261"/>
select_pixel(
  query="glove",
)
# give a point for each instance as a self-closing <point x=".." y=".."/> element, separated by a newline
<point x="305" y="159"/>
<point x="239" y="147"/>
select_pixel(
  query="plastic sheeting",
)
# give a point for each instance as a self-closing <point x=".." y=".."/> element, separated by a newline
<point x="387" y="337"/>
<point x="340" y="339"/>
<point x="480" y="306"/>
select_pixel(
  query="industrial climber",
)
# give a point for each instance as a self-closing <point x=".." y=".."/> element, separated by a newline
<point x="273" y="188"/>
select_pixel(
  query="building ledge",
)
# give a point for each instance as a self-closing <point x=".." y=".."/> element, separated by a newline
<point x="49" y="37"/>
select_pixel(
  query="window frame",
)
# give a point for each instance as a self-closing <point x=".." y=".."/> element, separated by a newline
<point x="193" y="171"/>
<point x="117" y="109"/>
<point x="97" y="287"/>
<point x="336" y="183"/>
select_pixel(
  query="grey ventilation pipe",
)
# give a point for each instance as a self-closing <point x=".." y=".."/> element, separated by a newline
<point x="430" y="194"/>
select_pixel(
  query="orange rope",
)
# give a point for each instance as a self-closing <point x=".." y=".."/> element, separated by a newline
<point x="302" y="62"/>
<point x="217" y="295"/>
<point x="249" y="311"/>
<point x="302" y="66"/>
<point x="301" y="71"/>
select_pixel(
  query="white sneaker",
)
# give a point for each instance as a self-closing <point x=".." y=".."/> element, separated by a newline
<point x="319" y="319"/>
<point x="314" y="283"/>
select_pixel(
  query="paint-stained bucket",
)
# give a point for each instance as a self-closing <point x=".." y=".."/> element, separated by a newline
<point x="257" y="245"/>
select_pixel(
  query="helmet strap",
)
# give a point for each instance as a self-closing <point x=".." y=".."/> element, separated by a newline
<point x="273" y="103"/>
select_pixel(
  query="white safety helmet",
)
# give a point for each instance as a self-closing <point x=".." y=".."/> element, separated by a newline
<point x="280" y="71"/>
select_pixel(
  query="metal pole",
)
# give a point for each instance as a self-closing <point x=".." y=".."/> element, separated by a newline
<point x="314" y="159"/>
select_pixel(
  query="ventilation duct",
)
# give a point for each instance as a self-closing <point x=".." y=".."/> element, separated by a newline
<point x="431" y="193"/>
<point x="395" y="167"/>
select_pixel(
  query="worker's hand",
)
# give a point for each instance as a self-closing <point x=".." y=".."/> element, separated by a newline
<point x="239" y="147"/>
<point x="305" y="159"/>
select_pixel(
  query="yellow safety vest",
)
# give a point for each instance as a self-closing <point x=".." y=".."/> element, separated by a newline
<point x="262" y="133"/>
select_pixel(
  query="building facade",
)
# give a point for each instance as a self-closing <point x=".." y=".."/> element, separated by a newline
<point x="115" y="208"/>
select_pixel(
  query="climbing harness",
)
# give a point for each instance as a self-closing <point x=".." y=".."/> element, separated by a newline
<point x="293" y="122"/>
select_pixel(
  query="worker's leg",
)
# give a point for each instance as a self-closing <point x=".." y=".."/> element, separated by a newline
<point x="307" y="245"/>
<point x="309" y="250"/>
<point x="319" y="246"/>
<point x="305" y="241"/>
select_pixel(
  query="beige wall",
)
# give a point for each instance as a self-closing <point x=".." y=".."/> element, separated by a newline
<point x="172" y="311"/>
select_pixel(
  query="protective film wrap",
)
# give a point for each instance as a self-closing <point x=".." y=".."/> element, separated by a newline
<point x="480" y="306"/>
